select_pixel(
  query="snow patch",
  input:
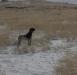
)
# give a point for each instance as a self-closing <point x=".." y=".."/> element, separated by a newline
<point x="37" y="64"/>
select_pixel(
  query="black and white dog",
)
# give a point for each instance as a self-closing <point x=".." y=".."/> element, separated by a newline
<point x="27" y="36"/>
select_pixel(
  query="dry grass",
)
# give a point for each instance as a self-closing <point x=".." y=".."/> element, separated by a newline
<point x="51" y="20"/>
<point x="68" y="65"/>
<point x="4" y="40"/>
<point x="54" y="21"/>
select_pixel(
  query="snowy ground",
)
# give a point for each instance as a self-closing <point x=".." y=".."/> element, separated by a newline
<point x="45" y="54"/>
<point x="41" y="63"/>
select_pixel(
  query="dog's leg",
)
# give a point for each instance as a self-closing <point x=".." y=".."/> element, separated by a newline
<point x="19" y="41"/>
<point x="29" y="42"/>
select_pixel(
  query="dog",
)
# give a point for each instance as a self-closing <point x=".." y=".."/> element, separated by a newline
<point x="27" y="36"/>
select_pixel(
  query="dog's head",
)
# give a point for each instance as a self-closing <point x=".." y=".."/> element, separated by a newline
<point x="32" y="29"/>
